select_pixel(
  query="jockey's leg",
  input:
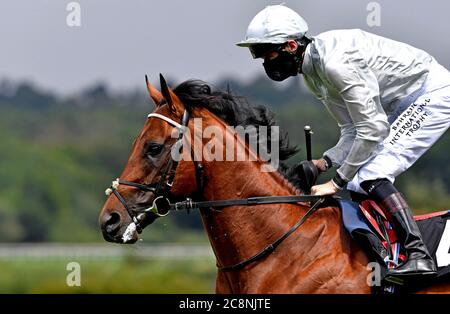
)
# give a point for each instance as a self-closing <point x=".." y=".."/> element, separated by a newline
<point x="412" y="133"/>
<point x="394" y="205"/>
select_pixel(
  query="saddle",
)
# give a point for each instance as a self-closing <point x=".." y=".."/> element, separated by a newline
<point x="370" y="228"/>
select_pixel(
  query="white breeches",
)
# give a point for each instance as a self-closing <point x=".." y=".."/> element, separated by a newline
<point x="413" y="131"/>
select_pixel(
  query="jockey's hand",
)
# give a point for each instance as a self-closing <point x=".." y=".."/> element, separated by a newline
<point x="321" y="164"/>
<point x="324" y="189"/>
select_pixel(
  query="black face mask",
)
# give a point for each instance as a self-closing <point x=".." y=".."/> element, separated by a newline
<point x="286" y="64"/>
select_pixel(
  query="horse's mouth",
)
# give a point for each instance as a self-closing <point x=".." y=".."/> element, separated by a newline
<point x="128" y="236"/>
<point x="124" y="227"/>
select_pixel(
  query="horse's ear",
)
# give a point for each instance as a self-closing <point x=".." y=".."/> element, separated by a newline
<point x="171" y="98"/>
<point x="155" y="94"/>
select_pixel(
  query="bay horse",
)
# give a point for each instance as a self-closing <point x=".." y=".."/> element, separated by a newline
<point x="318" y="257"/>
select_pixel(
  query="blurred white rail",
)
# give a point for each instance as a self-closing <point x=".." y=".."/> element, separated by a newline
<point x="37" y="251"/>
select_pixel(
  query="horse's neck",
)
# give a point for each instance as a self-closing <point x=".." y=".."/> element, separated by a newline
<point x="239" y="231"/>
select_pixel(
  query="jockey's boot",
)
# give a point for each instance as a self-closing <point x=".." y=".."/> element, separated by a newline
<point x="419" y="262"/>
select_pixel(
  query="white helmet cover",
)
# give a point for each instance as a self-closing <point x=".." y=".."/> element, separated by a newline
<point x="275" y="24"/>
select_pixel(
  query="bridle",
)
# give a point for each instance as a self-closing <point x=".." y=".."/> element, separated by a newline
<point x="162" y="206"/>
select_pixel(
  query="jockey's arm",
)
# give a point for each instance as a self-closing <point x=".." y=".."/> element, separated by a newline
<point x="359" y="89"/>
<point x="339" y="152"/>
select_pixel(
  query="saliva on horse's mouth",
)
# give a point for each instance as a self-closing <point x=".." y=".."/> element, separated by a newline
<point x="130" y="234"/>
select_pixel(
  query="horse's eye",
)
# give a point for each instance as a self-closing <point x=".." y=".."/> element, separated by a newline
<point x="153" y="149"/>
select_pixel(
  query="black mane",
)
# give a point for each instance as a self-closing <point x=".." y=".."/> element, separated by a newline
<point x="234" y="111"/>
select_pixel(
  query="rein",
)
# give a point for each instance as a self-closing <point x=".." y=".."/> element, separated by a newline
<point x="271" y="247"/>
<point x="161" y="205"/>
<point x="258" y="200"/>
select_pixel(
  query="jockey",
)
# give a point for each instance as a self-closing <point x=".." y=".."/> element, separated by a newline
<point x="390" y="100"/>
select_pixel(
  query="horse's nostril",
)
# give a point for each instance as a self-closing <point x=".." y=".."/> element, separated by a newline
<point x="112" y="224"/>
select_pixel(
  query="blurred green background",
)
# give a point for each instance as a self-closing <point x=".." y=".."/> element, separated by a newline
<point x="59" y="154"/>
<point x="110" y="276"/>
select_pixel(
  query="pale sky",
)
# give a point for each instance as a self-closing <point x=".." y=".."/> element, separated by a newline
<point x="119" y="41"/>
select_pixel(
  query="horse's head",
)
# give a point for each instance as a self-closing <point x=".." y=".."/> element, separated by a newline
<point x="156" y="172"/>
<point x="140" y="195"/>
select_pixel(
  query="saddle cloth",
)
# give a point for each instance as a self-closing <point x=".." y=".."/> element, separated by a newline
<point x="363" y="221"/>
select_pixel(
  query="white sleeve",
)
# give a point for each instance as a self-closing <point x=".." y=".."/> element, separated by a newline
<point x="339" y="152"/>
<point x="359" y="89"/>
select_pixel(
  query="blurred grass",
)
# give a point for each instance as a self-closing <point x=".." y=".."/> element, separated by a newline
<point x="127" y="275"/>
